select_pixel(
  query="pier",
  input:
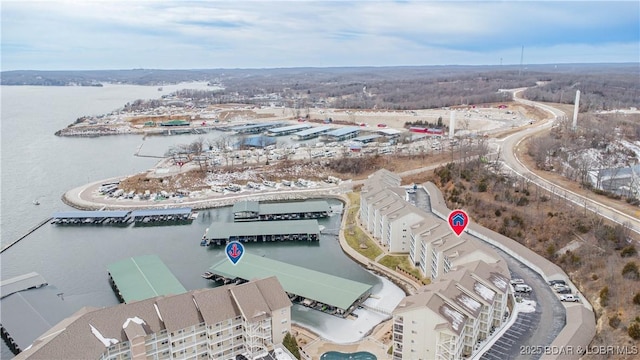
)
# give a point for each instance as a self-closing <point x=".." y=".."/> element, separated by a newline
<point x="298" y="210"/>
<point x="262" y="231"/>
<point x="323" y="292"/>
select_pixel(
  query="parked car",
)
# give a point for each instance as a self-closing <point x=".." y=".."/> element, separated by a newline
<point x="516" y="281"/>
<point x="554" y="282"/>
<point x="522" y="288"/>
<point x="569" y="297"/>
<point x="564" y="290"/>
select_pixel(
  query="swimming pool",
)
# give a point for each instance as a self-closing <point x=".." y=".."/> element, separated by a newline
<point x="360" y="355"/>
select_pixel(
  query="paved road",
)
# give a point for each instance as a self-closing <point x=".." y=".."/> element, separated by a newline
<point x="507" y="152"/>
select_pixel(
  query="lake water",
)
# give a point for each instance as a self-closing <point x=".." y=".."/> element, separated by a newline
<point x="36" y="164"/>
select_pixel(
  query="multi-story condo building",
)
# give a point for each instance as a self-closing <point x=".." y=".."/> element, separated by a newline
<point x="447" y="318"/>
<point x="220" y="323"/>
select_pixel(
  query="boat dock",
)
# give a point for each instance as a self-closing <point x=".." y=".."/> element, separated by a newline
<point x="30" y="307"/>
<point x="221" y="233"/>
<point x="320" y="291"/>
<point x="90" y="217"/>
<point x="142" y="277"/>
<point x="297" y="210"/>
<point x="156" y="215"/>
<point x="124" y="218"/>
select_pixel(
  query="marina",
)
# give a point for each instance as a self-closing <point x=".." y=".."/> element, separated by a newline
<point x="313" y="289"/>
<point x="299" y="210"/>
<point x="221" y="233"/>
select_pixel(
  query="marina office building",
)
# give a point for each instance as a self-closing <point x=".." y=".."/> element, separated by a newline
<point x="221" y="323"/>
<point x="467" y="299"/>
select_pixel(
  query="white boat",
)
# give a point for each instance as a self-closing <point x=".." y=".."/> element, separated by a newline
<point x="36" y="202"/>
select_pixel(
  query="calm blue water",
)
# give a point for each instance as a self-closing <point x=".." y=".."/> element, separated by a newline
<point x="36" y="164"/>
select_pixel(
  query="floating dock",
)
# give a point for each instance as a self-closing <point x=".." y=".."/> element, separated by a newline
<point x="155" y="215"/>
<point x="312" y="133"/>
<point x="261" y="231"/>
<point x="30" y="307"/>
<point x="314" y="289"/>
<point x="148" y="216"/>
<point x="141" y="278"/>
<point x="298" y="210"/>
<point x="90" y="217"/>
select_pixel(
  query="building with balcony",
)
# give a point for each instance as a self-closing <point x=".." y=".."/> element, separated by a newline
<point x="220" y="323"/>
<point x="447" y="318"/>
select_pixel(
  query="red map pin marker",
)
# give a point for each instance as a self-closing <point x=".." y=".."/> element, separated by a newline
<point x="458" y="221"/>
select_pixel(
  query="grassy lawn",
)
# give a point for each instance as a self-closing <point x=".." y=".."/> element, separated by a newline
<point x="354" y="235"/>
<point x="402" y="261"/>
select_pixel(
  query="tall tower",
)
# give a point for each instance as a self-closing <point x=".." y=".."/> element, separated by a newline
<point x="575" y="111"/>
<point x="452" y="124"/>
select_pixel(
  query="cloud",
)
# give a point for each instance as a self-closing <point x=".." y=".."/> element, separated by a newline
<point x="197" y="34"/>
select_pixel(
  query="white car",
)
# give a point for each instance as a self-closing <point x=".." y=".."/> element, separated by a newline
<point x="522" y="288"/>
<point x="569" y="297"/>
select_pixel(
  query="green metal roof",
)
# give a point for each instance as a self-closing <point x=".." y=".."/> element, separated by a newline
<point x="223" y="230"/>
<point x="294" y="207"/>
<point x="144" y="277"/>
<point x="311" y="284"/>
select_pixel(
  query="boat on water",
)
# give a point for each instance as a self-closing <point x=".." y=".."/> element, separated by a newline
<point x="208" y="275"/>
<point x="36" y="202"/>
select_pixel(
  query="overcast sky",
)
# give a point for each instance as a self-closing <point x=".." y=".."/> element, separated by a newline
<point x="68" y="35"/>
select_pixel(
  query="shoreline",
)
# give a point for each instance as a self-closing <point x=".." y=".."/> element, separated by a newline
<point x="82" y="198"/>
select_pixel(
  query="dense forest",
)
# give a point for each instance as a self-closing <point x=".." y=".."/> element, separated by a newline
<point x="603" y="86"/>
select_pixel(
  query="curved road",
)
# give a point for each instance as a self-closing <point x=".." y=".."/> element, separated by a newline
<point x="508" y="149"/>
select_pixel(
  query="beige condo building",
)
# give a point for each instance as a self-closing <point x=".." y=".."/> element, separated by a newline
<point x="220" y="323"/>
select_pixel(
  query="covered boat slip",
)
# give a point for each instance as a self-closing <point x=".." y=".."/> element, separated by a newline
<point x="298" y="210"/>
<point x="90" y="217"/>
<point x="220" y="233"/>
<point x="151" y="215"/>
<point x="311" y="288"/>
<point x="143" y="277"/>
<point x="29" y="307"/>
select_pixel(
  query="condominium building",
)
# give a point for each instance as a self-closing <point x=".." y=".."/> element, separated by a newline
<point x="447" y="318"/>
<point x="220" y="323"/>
